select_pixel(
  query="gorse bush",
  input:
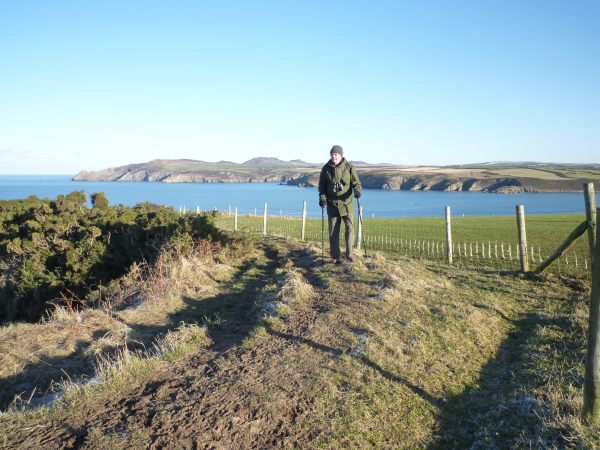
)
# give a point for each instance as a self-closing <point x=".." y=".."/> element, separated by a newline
<point x="50" y="248"/>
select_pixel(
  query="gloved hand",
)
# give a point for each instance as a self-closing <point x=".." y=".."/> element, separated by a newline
<point x="356" y="194"/>
<point x="322" y="203"/>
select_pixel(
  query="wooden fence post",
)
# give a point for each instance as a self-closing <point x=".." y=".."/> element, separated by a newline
<point x="359" y="234"/>
<point x="303" y="219"/>
<point x="590" y="209"/>
<point x="589" y="224"/>
<point x="235" y="220"/>
<point x="522" y="239"/>
<point x="448" y="236"/>
<point x="265" y="220"/>
<point x="591" y="386"/>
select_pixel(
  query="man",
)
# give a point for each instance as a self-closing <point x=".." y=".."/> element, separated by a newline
<point x="337" y="182"/>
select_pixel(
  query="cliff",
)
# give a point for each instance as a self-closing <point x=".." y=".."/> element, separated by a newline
<point x="498" y="178"/>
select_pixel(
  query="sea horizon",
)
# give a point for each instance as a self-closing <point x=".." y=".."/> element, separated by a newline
<point x="285" y="200"/>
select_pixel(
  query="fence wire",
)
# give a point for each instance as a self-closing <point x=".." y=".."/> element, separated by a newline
<point x="484" y="242"/>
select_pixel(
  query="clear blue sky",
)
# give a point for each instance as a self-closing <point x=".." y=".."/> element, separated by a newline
<point x="95" y="84"/>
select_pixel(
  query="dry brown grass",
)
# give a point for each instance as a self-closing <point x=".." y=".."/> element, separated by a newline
<point x="135" y="312"/>
<point x="290" y="290"/>
<point x="175" y="341"/>
<point x="169" y="286"/>
<point x="294" y="288"/>
<point x="64" y="343"/>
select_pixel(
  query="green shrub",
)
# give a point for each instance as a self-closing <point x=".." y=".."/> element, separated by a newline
<point x="54" y="247"/>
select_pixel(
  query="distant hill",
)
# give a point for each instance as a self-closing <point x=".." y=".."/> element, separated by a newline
<point x="500" y="177"/>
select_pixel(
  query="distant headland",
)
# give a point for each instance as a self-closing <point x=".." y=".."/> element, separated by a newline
<point x="497" y="177"/>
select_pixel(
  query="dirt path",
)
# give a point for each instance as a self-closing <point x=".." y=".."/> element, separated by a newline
<point x="379" y="354"/>
<point x="229" y="396"/>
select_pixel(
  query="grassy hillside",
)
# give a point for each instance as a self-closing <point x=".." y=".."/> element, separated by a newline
<point x="260" y="346"/>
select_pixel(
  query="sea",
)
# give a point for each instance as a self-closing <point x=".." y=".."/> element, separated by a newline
<point x="283" y="200"/>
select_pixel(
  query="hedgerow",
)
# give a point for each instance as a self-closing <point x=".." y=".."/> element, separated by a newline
<point x="55" y="248"/>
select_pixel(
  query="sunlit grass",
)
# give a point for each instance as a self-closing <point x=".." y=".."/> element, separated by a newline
<point x="485" y="241"/>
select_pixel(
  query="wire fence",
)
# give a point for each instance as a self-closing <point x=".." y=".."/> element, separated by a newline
<point x="485" y="242"/>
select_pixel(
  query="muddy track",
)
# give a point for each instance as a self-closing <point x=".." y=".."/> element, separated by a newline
<point x="227" y="396"/>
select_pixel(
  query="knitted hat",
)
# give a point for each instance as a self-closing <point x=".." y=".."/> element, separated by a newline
<point x="337" y="149"/>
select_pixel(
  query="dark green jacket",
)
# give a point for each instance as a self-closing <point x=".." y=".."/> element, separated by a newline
<point x="339" y="201"/>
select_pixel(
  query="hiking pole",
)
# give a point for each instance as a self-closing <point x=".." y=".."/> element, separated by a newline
<point x="322" y="235"/>
<point x="362" y="236"/>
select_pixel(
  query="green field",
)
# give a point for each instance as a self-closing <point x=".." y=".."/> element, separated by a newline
<point x="484" y="241"/>
<point x="527" y="172"/>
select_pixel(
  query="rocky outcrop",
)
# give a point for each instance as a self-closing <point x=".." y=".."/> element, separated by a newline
<point x="508" y="185"/>
<point x="437" y="183"/>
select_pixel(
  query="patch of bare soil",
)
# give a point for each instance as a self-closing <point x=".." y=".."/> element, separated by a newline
<point x="229" y="395"/>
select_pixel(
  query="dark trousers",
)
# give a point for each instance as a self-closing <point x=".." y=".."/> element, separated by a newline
<point x="335" y="223"/>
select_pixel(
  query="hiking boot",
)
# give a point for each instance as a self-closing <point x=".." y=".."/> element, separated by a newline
<point x="338" y="261"/>
<point x="350" y="258"/>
